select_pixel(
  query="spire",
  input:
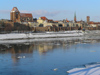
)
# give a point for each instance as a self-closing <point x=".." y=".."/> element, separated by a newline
<point x="75" y="14"/>
<point x="75" y="17"/>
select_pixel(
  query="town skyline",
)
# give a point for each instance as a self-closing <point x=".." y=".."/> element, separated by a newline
<point x="56" y="10"/>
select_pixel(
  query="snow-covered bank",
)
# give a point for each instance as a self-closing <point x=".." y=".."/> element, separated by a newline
<point x="40" y="35"/>
<point x="87" y="34"/>
<point x="88" y="70"/>
<point x="35" y="40"/>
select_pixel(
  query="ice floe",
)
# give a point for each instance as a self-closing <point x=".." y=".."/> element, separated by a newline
<point x="93" y="69"/>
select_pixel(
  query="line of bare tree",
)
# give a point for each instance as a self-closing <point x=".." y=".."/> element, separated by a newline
<point x="8" y="28"/>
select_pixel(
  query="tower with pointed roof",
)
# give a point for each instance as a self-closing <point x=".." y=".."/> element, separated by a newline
<point x="75" y="17"/>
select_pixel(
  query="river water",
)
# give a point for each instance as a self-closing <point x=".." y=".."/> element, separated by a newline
<point x="47" y="57"/>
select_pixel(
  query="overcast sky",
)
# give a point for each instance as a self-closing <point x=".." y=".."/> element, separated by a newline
<point x="53" y="9"/>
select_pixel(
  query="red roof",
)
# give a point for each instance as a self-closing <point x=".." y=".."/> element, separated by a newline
<point x="67" y="20"/>
<point x="94" y="22"/>
<point x="25" y="14"/>
<point x="56" y="21"/>
<point x="44" y="18"/>
<point x="50" y="20"/>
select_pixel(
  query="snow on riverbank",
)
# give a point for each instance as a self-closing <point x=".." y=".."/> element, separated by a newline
<point x="62" y="34"/>
<point x="88" y="70"/>
<point x="39" y="35"/>
<point x="12" y="36"/>
<point x="35" y="40"/>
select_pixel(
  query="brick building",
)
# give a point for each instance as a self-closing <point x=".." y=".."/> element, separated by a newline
<point x="16" y="16"/>
<point x="88" y="19"/>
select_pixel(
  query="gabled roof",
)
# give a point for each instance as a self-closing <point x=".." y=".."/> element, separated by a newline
<point x="56" y="21"/>
<point x="67" y="20"/>
<point x="44" y="18"/>
<point x="25" y="14"/>
<point x="50" y="20"/>
<point x="14" y="9"/>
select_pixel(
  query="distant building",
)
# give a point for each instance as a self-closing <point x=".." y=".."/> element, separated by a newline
<point x="88" y="19"/>
<point x="75" y="17"/>
<point x="34" y="19"/>
<point x="44" y="20"/>
<point x="16" y="16"/>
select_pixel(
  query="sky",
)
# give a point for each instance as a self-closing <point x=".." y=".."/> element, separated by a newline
<point x="53" y="9"/>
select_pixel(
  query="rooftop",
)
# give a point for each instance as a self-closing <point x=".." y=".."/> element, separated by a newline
<point x="25" y="14"/>
<point x="14" y="9"/>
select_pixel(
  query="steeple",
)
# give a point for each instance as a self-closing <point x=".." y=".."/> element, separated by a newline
<point x="75" y="17"/>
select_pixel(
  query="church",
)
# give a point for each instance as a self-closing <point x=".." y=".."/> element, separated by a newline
<point x="16" y="16"/>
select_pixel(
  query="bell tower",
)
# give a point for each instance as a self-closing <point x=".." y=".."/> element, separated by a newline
<point x="15" y="15"/>
<point x="75" y="17"/>
<point x="88" y="19"/>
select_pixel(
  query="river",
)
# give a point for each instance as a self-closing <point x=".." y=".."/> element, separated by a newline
<point x="47" y="57"/>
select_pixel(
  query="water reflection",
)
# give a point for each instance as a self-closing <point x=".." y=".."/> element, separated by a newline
<point x="29" y="53"/>
<point x="41" y="47"/>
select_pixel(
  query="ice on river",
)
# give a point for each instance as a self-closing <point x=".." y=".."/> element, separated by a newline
<point x="93" y="69"/>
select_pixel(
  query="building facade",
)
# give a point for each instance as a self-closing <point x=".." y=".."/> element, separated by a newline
<point x="16" y="16"/>
<point x="88" y="19"/>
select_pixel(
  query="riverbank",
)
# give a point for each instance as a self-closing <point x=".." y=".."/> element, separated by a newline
<point x="48" y="57"/>
<point x="12" y="36"/>
<point x="52" y="35"/>
<point x="91" y="69"/>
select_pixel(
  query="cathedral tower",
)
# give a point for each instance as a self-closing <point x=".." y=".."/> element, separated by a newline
<point x="15" y="15"/>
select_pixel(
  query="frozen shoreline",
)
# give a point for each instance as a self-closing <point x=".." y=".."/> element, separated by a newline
<point x="40" y="35"/>
<point x="49" y="36"/>
<point x="93" y="69"/>
<point x="35" y="40"/>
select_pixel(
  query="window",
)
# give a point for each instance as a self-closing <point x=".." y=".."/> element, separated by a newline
<point x="76" y="25"/>
<point x="16" y="15"/>
<point x="41" y="25"/>
<point x="83" y="25"/>
<point x="60" y="25"/>
<point x="73" y="25"/>
<point x="67" y="25"/>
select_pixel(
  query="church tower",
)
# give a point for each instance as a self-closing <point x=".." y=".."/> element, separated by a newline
<point x="15" y="15"/>
<point x="75" y="17"/>
<point x="88" y="19"/>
